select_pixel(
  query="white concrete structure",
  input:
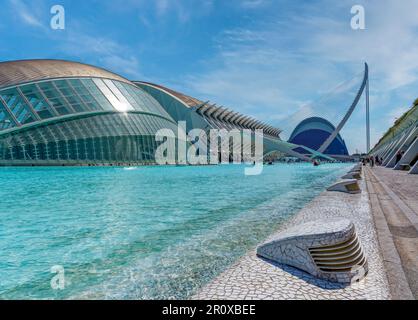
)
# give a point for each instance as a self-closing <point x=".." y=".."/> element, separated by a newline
<point x="405" y="140"/>
<point x="414" y="169"/>
<point x="408" y="156"/>
<point x="347" y="186"/>
<point x="402" y="138"/>
<point x="352" y="175"/>
<point x="252" y="278"/>
<point x="327" y="249"/>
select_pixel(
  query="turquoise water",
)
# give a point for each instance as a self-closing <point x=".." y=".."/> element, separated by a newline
<point x="143" y="233"/>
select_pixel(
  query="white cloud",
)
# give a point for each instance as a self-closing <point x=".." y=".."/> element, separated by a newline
<point x="388" y="44"/>
<point x="105" y="51"/>
<point x="163" y="10"/>
<point x="129" y="66"/>
<point x="266" y="69"/>
<point x="28" y="15"/>
<point x="269" y="68"/>
<point x="162" y="6"/>
<point x="395" y="114"/>
<point x="251" y="4"/>
<point x="79" y="40"/>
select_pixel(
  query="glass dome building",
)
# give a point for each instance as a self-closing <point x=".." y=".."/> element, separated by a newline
<point x="205" y="115"/>
<point x="56" y="112"/>
<point x="313" y="132"/>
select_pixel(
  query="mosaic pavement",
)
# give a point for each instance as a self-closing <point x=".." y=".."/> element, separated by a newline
<point x="252" y="278"/>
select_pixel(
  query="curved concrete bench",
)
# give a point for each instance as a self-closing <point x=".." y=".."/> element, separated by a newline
<point x="347" y="186"/>
<point x="327" y="249"/>
<point x="356" y="169"/>
<point x="352" y="175"/>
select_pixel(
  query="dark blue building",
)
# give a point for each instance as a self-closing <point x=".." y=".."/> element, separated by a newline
<point x="312" y="133"/>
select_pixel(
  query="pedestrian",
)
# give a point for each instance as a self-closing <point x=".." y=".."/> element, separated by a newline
<point x="398" y="156"/>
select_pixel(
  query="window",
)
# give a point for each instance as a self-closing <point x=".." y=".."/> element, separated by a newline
<point x="37" y="101"/>
<point x="124" y="103"/>
<point x="17" y="106"/>
<point x="117" y="104"/>
<point x="5" y="121"/>
<point x="102" y="102"/>
<point x="55" y="98"/>
<point x="122" y="88"/>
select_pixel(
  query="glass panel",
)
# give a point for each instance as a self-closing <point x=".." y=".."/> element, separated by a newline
<point x="125" y="92"/>
<point x="38" y="102"/>
<point x="70" y="96"/>
<point x="122" y="99"/>
<point x="116" y="103"/>
<point x="101" y="102"/>
<point x="86" y="97"/>
<point x="138" y="98"/>
<point x="55" y="98"/>
<point x="5" y="121"/>
<point x="152" y="105"/>
<point x="18" y="106"/>
<point x="68" y="93"/>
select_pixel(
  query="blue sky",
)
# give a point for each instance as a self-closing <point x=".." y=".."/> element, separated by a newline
<point x="264" y="58"/>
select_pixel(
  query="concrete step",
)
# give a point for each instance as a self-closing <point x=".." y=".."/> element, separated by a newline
<point x="397" y="227"/>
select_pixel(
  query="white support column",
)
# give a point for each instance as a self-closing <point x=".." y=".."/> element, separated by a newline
<point x="367" y="116"/>
<point x="402" y="145"/>
<point x="409" y="155"/>
<point x="388" y="150"/>
<point x="414" y="169"/>
<point x="383" y="149"/>
<point x="394" y="149"/>
<point x="337" y="130"/>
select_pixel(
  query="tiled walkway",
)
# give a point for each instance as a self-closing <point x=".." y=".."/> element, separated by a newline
<point x="254" y="278"/>
<point x="394" y="198"/>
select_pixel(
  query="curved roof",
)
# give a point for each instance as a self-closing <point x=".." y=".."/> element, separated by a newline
<point x="187" y="100"/>
<point x="212" y="111"/>
<point x="318" y="125"/>
<point x="23" y="71"/>
<point x="313" y="123"/>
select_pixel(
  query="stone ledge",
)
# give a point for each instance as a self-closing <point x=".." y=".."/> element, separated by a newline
<point x="398" y="283"/>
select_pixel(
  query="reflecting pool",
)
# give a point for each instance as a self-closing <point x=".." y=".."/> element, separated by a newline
<point x="140" y="233"/>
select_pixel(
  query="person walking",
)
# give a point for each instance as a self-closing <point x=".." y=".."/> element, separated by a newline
<point x="372" y="161"/>
<point x="398" y="156"/>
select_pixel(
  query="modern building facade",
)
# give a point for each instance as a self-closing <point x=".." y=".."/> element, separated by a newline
<point x="55" y="112"/>
<point x="205" y="115"/>
<point x="322" y="136"/>
<point x="398" y="147"/>
<point x="60" y="112"/>
<point x="313" y="132"/>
